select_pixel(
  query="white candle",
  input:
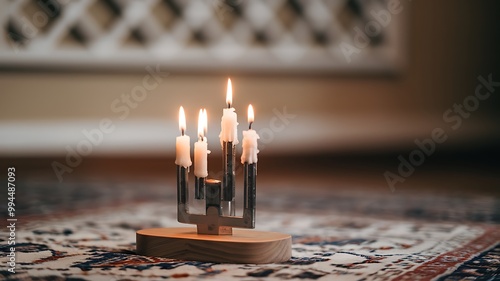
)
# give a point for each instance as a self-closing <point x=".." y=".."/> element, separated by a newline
<point x="182" y="143"/>
<point x="201" y="147"/>
<point x="250" y="138"/>
<point x="229" y="122"/>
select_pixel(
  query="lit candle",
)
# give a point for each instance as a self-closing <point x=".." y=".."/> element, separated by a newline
<point x="201" y="147"/>
<point x="182" y="147"/>
<point x="229" y="123"/>
<point x="228" y="139"/>
<point x="250" y="138"/>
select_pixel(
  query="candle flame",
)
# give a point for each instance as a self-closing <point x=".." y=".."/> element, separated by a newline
<point x="205" y="124"/>
<point x="182" y="120"/>
<point x="250" y="115"/>
<point x="201" y="124"/>
<point x="229" y="93"/>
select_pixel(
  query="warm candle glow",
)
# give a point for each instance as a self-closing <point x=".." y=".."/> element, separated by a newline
<point x="229" y="93"/>
<point x="250" y="116"/>
<point x="205" y="123"/>
<point x="229" y="121"/>
<point x="182" y="157"/>
<point x="201" y="147"/>
<point x="250" y="137"/>
<point x="201" y="124"/>
<point x="182" y="120"/>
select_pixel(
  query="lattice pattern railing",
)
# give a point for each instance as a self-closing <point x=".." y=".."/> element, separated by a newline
<point x="281" y="35"/>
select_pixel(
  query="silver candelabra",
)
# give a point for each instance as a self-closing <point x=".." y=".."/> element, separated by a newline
<point x="219" y="217"/>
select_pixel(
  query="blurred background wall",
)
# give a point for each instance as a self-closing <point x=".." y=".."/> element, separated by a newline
<point x="446" y="46"/>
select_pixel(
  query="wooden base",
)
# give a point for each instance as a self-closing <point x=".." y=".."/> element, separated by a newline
<point x="244" y="246"/>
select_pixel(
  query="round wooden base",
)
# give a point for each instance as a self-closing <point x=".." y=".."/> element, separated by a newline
<point x="244" y="246"/>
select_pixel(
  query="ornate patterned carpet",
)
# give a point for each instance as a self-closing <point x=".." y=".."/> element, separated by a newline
<point x="57" y="242"/>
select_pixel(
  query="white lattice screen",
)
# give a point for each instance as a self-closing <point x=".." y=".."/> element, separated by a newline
<point x="211" y="35"/>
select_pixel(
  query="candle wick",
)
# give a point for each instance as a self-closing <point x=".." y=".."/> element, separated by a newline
<point x="182" y="132"/>
<point x="250" y="125"/>
<point x="228" y="105"/>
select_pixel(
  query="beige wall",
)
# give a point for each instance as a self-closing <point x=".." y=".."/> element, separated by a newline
<point x="450" y="44"/>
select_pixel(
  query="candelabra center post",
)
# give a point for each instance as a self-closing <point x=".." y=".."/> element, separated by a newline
<point x="213" y="211"/>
